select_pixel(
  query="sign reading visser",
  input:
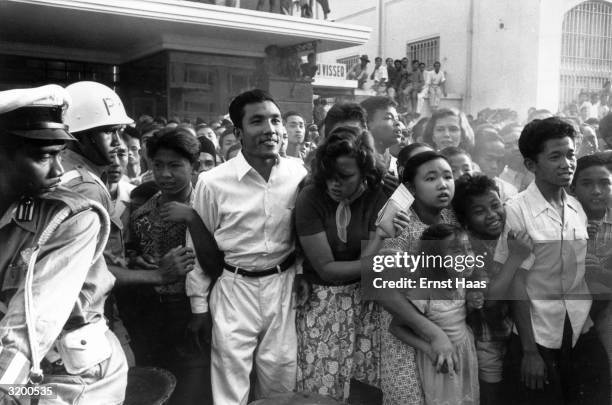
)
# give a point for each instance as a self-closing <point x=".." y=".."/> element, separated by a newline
<point x="331" y="70"/>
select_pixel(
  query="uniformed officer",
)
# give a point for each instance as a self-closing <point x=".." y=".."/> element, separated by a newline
<point x="53" y="279"/>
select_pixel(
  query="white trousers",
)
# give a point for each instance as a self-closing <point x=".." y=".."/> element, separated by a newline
<point x="253" y="318"/>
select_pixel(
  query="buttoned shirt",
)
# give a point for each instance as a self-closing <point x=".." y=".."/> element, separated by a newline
<point x="435" y="79"/>
<point x="68" y="290"/>
<point x="250" y="218"/>
<point x="555" y="281"/>
<point x="381" y="74"/>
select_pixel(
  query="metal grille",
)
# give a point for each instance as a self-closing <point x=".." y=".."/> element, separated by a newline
<point x="586" y="50"/>
<point x="426" y="51"/>
<point x="349" y="61"/>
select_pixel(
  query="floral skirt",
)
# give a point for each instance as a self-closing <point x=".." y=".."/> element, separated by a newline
<point x="338" y="339"/>
<point x="399" y="375"/>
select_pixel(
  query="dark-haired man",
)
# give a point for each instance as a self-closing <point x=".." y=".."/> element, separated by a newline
<point x="54" y="280"/>
<point x="554" y="355"/>
<point x="382" y="119"/>
<point x="247" y="204"/>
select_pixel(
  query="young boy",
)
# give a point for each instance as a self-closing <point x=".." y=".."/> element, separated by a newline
<point x="489" y="155"/>
<point x="592" y="186"/>
<point x="554" y="355"/>
<point x="480" y="210"/>
<point x="460" y="161"/>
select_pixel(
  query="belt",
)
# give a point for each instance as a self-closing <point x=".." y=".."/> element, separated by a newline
<point x="288" y="262"/>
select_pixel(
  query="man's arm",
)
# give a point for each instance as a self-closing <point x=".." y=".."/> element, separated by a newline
<point x="59" y="273"/>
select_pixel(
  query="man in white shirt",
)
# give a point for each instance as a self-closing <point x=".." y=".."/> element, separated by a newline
<point x="554" y="355"/>
<point x="247" y="204"/>
<point x="380" y="75"/>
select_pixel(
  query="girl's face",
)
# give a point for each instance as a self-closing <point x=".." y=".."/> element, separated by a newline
<point x="346" y="179"/>
<point x="460" y="249"/>
<point x="172" y="171"/>
<point x="447" y="132"/>
<point x="433" y="186"/>
<point x="486" y="215"/>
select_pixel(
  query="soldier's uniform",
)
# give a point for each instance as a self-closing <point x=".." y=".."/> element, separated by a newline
<point x="53" y="285"/>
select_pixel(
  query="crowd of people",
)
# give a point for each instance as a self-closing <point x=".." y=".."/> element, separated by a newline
<point x="407" y="83"/>
<point x="247" y="243"/>
<point x="302" y="8"/>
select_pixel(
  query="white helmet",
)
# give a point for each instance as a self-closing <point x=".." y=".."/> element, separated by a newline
<point x="94" y="105"/>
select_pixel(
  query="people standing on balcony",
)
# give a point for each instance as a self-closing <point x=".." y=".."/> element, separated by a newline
<point x="380" y="77"/>
<point x="247" y="203"/>
<point x="359" y="71"/>
<point x="395" y="77"/>
<point x="412" y="87"/>
<point x="436" y="86"/>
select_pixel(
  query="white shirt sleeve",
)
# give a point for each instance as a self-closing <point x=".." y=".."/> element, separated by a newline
<point x="513" y="222"/>
<point x="198" y="282"/>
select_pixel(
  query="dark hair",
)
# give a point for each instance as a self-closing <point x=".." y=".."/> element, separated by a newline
<point x="537" y="132"/>
<point x="431" y="234"/>
<point x="144" y="191"/>
<point x="344" y="112"/>
<point x="345" y="141"/>
<point x="588" y="161"/>
<point x="467" y="134"/>
<point x="227" y="132"/>
<point x="468" y="186"/>
<point x="206" y="146"/>
<point x="291" y="114"/>
<point x="375" y="103"/>
<point x="605" y="126"/>
<point x="451" y="151"/>
<point x="236" y="107"/>
<point x="419" y="128"/>
<point x="130" y="132"/>
<point x="148" y="127"/>
<point x="406" y="151"/>
<point x="178" y="140"/>
<point x="412" y="165"/>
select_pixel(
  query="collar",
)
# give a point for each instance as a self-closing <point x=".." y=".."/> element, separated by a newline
<point x="243" y="167"/>
<point x="11" y="215"/>
<point x="72" y="160"/>
<point x="538" y="204"/>
<point x="608" y="217"/>
<point x="123" y="191"/>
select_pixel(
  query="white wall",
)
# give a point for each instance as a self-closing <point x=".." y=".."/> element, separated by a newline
<point x="510" y="59"/>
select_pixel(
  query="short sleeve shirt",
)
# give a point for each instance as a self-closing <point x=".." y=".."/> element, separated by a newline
<point x="316" y="212"/>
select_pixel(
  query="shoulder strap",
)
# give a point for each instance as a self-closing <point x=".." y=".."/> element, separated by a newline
<point x="36" y="374"/>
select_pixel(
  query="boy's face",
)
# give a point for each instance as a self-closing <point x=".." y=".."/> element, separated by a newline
<point x="32" y="170"/>
<point x="490" y="158"/>
<point x="118" y="166"/>
<point x="295" y="129"/>
<point x="593" y="187"/>
<point x="382" y="126"/>
<point x="461" y="164"/>
<point x="556" y="163"/>
<point x="172" y="171"/>
<point x="486" y="215"/>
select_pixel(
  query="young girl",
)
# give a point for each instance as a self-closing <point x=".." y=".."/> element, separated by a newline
<point x="443" y="381"/>
<point x="449" y="127"/>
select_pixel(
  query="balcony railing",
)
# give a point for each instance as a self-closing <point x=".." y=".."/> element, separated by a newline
<point x="318" y="9"/>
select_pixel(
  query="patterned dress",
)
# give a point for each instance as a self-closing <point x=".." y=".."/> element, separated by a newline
<point x="400" y="381"/>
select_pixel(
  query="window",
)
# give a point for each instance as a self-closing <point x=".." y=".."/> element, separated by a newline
<point x="586" y="50"/>
<point x="349" y="61"/>
<point x="427" y="51"/>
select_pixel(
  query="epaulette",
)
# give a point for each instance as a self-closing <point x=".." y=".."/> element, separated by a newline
<point x="74" y="201"/>
<point x="25" y="210"/>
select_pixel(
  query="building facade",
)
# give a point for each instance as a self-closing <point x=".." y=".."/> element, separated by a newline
<point x="496" y="53"/>
<point x="166" y="57"/>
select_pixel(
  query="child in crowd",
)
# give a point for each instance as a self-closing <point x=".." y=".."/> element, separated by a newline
<point x="460" y="161"/>
<point x="456" y="381"/>
<point x="479" y="209"/>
